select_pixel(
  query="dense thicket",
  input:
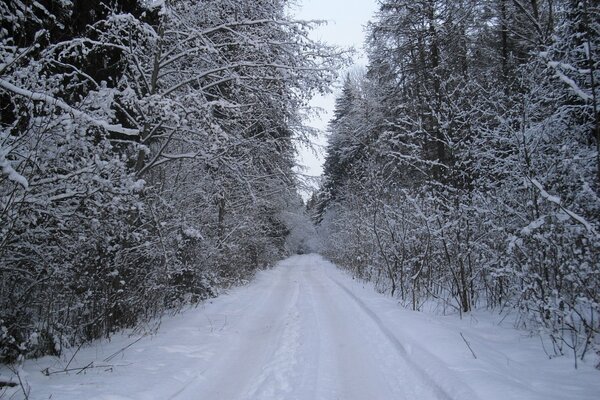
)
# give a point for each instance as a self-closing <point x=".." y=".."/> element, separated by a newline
<point x="146" y="154"/>
<point x="463" y="166"/>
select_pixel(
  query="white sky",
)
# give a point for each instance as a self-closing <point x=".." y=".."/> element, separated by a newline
<point x="346" y="22"/>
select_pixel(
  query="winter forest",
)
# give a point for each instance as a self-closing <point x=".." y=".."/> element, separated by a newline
<point x="147" y="154"/>
<point x="148" y="161"/>
<point x="463" y="164"/>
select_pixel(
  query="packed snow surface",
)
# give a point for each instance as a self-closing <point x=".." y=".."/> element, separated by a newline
<point x="306" y="330"/>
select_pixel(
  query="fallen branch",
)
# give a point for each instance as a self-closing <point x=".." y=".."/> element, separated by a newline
<point x="468" y="345"/>
<point x="81" y="369"/>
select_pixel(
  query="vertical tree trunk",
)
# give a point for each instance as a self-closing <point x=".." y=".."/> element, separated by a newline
<point x="504" y="41"/>
<point x="221" y="218"/>
<point x="434" y="62"/>
<point x="591" y="67"/>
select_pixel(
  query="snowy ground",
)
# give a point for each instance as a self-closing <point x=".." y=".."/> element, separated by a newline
<point x="305" y="330"/>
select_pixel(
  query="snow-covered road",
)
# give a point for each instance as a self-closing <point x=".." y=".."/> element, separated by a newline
<point x="307" y="331"/>
<point x="307" y="337"/>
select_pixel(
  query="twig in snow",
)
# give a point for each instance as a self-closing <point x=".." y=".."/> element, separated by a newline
<point x="468" y="345"/>
<point x="123" y="349"/>
<point x="25" y="388"/>
<point x="82" y="369"/>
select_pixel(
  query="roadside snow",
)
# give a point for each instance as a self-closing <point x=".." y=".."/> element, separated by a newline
<point x="305" y="330"/>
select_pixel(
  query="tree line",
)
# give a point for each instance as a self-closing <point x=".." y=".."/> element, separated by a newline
<point x="463" y="168"/>
<point x="146" y="153"/>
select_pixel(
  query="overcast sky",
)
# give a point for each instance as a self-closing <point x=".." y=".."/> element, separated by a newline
<point x="347" y="19"/>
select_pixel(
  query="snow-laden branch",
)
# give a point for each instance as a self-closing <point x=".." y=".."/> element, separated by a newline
<point x="61" y="177"/>
<point x="556" y="200"/>
<point x="8" y="170"/>
<point x="84" y="41"/>
<point x="557" y="66"/>
<point x="570" y="82"/>
<point x="53" y="101"/>
<point x="196" y="34"/>
<point x="256" y="65"/>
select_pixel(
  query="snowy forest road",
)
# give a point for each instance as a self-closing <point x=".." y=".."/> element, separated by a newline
<point x="306" y="336"/>
<point x="305" y="330"/>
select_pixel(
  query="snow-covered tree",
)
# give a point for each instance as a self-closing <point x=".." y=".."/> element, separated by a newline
<point x="146" y="152"/>
<point x="478" y="184"/>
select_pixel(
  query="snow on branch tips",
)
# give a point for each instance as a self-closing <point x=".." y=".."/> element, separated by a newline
<point x="52" y="101"/>
<point x="7" y="169"/>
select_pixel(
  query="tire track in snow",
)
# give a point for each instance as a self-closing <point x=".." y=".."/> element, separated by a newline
<point x="277" y="376"/>
<point x="307" y="336"/>
<point x="354" y="365"/>
<point x="441" y="391"/>
<point x="247" y="345"/>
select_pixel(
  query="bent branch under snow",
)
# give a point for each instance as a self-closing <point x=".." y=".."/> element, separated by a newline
<point x="52" y="101"/>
